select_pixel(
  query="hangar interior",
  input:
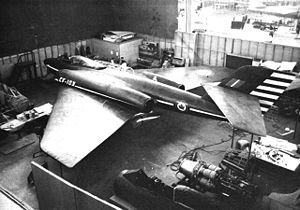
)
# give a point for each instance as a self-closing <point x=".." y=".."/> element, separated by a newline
<point x="94" y="115"/>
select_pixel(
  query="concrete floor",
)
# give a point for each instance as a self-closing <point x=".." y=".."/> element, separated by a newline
<point x="151" y="147"/>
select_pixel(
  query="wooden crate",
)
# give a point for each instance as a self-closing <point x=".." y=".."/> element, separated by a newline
<point x="110" y="50"/>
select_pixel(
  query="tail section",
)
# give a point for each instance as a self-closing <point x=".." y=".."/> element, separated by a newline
<point x="246" y="94"/>
<point x="265" y="84"/>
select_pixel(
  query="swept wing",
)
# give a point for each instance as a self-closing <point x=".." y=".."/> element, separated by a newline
<point x="79" y="122"/>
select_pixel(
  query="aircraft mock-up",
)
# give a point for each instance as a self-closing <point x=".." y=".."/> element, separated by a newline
<point x="96" y="101"/>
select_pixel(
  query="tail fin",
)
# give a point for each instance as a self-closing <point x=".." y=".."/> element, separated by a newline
<point x="266" y="84"/>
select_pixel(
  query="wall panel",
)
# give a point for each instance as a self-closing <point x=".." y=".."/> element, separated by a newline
<point x="212" y="50"/>
<point x="54" y="192"/>
<point x="154" y="17"/>
<point x="30" y="24"/>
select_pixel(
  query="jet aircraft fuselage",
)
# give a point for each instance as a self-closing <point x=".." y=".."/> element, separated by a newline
<point x="139" y="90"/>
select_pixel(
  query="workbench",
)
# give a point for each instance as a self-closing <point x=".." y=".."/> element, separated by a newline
<point x="277" y="152"/>
<point x="15" y="125"/>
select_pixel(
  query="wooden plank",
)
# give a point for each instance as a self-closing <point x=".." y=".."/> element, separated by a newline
<point x="199" y="43"/>
<point x="93" y="46"/>
<point x="192" y="43"/>
<point x="253" y="46"/>
<point x="38" y="62"/>
<point x="222" y="44"/>
<point x="296" y="54"/>
<point x="185" y="40"/>
<point x="202" y="52"/>
<point x="72" y="48"/>
<point x="42" y="54"/>
<point x="220" y="59"/>
<point x="210" y="50"/>
<point x="178" y="44"/>
<point x="88" y="43"/>
<point x="278" y="53"/>
<point x="77" y="47"/>
<point x="48" y="52"/>
<point x="214" y="43"/>
<point x="287" y="53"/>
<point x="197" y="58"/>
<point x="51" y="50"/>
<point x="67" y="49"/>
<point x="206" y="56"/>
<point x="261" y="50"/>
<point x="213" y="58"/>
<point x="228" y="46"/>
<point x="54" y="51"/>
<point x="14" y="59"/>
<point x="185" y="52"/>
<point x="6" y="60"/>
<point x="217" y="50"/>
<point x="224" y="52"/>
<point x="268" y="54"/>
<point x="207" y="42"/>
<point x="52" y="192"/>
<point x="42" y="57"/>
<point x="60" y="50"/>
<point x="245" y="47"/>
<point x="237" y="46"/>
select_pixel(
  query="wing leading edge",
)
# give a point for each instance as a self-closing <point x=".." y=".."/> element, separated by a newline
<point x="79" y="122"/>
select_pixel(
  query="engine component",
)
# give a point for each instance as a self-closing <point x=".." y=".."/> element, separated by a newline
<point x="144" y="192"/>
<point x="202" y="175"/>
<point x="236" y="160"/>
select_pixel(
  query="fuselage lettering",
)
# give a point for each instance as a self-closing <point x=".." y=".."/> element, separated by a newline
<point x="67" y="81"/>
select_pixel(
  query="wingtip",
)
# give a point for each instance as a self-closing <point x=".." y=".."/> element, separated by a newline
<point x="66" y="159"/>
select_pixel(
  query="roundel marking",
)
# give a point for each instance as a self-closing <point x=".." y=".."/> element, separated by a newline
<point x="181" y="106"/>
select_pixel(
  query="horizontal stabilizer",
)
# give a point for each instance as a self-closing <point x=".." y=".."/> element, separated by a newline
<point x="241" y="110"/>
<point x="265" y="84"/>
